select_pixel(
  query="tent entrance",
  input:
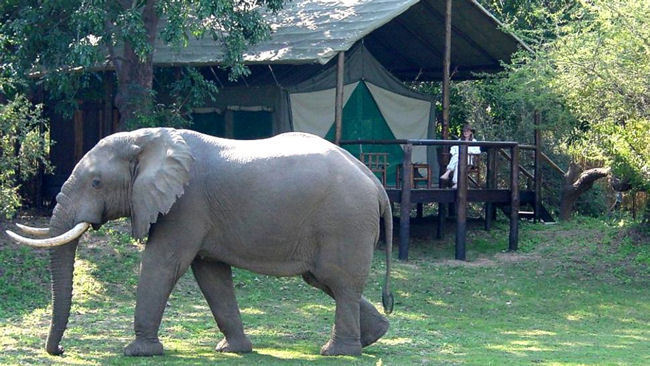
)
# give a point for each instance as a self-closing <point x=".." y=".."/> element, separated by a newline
<point x="362" y="120"/>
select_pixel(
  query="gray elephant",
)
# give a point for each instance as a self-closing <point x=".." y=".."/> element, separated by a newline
<point x="293" y="204"/>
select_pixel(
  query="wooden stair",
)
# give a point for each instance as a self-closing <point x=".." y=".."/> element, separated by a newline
<point x="544" y="215"/>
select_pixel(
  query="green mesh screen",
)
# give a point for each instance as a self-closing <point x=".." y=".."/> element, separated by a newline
<point x="246" y="125"/>
<point x="363" y="121"/>
<point x="209" y="123"/>
<point x="252" y="125"/>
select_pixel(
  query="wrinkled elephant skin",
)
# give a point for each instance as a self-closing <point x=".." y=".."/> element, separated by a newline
<point x="293" y="204"/>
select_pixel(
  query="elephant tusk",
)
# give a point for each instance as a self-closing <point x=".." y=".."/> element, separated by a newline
<point x="64" y="238"/>
<point x="36" y="231"/>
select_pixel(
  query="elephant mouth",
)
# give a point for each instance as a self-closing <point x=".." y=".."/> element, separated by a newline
<point x="96" y="226"/>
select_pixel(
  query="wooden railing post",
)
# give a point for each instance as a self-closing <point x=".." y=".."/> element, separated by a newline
<point x="405" y="204"/>
<point x="514" y="198"/>
<point x="461" y="202"/>
<point x="491" y="183"/>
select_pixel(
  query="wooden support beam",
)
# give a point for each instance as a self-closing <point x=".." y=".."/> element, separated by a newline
<point x="514" y="199"/>
<point x="538" y="167"/>
<point x="338" y="105"/>
<point x="78" y="121"/>
<point x="446" y="66"/>
<point x="440" y="232"/>
<point x="405" y="204"/>
<point x="461" y="203"/>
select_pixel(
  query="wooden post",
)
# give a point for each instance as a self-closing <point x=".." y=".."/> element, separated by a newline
<point x="338" y="106"/>
<point x="446" y="67"/>
<point x="77" y="118"/>
<point x="229" y="121"/>
<point x="491" y="183"/>
<point x="440" y="233"/>
<point x="107" y="126"/>
<point x="405" y="204"/>
<point x="514" y="198"/>
<point x="538" y="167"/>
<point x="461" y="202"/>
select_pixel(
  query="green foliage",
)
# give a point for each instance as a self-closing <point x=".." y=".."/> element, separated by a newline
<point x="181" y="90"/>
<point x="61" y="42"/>
<point x="601" y="68"/>
<point x="24" y="147"/>
<point x="589" y="78"/>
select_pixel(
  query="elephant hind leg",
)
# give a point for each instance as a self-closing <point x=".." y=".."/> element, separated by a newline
<point x="373" y="325"/>
<point x="215" y="281"/>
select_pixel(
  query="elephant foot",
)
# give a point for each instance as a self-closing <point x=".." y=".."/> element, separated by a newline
<point x="54" y="350"/>
<point x="143" y="348"/>
<point x="372" y="331"/>
<point x="235" y="345"/>
<point x="335" y="347"/>
<point x="373" y="324"/>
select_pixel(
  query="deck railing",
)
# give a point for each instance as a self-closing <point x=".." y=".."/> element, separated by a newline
<point x="461" y="192"/>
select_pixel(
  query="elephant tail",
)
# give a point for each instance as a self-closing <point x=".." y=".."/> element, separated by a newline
<point x="387" y="298"/>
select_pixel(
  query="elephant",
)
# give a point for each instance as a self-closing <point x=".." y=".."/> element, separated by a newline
<point x="293" y="204"/>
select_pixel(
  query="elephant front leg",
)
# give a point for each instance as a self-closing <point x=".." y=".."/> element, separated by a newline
<point x="215" y="281"/>
<point x="162" y="266"/>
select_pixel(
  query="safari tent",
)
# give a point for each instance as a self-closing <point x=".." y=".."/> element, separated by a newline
<point x="376" y="105"/>
<point x="293" y="84"/>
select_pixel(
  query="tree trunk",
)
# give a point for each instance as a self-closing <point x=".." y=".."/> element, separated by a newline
<point x="576" y="182"/>
<point x="135" y="76"/>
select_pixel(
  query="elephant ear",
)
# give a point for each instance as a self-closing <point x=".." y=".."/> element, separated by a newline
<point x="160" y="172"/>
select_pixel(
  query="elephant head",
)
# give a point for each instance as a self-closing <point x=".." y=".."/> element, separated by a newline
<point x="137" y="174"/>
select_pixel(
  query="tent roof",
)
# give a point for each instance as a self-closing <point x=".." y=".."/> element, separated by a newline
<point x="406" y="36"/>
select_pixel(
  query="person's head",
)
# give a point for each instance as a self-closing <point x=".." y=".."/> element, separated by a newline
<point x="468" y="132"/>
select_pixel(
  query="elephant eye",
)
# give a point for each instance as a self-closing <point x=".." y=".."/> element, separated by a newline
<point x="96" y="183"/>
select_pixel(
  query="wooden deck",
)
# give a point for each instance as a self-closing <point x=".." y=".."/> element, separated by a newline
<point x="489" y="192"/>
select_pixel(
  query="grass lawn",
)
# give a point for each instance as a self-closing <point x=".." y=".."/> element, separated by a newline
<point x="574" y="294"/>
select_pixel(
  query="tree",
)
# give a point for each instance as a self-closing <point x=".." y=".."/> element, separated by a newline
<point x="602" y="68"/>
<point x="61" y="42"/>
<point x="24" y="145"/>
<point x="589" y="78"/>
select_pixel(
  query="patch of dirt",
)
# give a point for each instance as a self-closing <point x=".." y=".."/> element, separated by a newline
<point x="25" y="218"/>
<point x="496" y="260"/>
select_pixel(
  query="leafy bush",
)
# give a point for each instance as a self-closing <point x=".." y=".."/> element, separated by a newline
<point x="24" y="147"/>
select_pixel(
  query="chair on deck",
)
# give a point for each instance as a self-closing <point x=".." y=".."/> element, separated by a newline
<point x="377" y="163"/>
<point x="417" y="177"/>
<point x="474" y="169"/>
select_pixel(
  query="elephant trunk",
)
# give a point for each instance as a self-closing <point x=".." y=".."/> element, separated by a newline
<point x="61" y="268"/>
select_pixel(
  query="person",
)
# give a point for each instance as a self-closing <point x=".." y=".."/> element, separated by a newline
<point x="467" y="135"/>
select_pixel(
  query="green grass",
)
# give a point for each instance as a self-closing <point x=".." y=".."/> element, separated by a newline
<point x="574" y="294"/>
